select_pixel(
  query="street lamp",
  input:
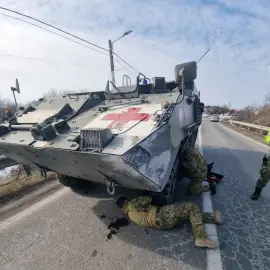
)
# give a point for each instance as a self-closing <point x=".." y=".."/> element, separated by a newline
<point x="111" y="53"/>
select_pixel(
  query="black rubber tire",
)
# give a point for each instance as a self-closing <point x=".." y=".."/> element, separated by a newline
<point x="72" y="182"/>
<point x="193" y="139"/>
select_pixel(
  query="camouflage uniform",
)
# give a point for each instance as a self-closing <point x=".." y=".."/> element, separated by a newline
<point x="194" y="166"/>
<point x="264" y="177"/>
<point x="141" y="212"/>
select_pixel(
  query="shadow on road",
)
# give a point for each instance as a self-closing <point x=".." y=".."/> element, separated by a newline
<point x="245" y="221"/>
<point x="177" y="243"/>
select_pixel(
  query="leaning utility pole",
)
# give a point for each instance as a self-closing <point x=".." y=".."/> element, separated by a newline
<point x="111" y="54"/>
<point x="111" y="60"/>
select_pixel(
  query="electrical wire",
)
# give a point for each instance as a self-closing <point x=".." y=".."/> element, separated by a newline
<point x="42" y="60"/>
<point x="32" y="18"/>
<point x="126" y="62"/>
<point x="120" y="63"/>
<point x="43" y="28"/>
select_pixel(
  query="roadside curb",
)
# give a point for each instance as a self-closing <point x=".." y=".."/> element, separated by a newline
<point x="214" y="260"/>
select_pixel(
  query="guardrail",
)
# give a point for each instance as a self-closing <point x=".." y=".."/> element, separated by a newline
<point x="260" y="129"/>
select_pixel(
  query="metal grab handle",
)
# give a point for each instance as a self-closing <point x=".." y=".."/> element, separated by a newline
<point x="110" y="187"/>
<point x="127" y="80"/>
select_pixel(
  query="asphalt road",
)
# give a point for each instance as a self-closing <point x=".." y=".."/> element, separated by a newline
<point x="66" y="231"/>
<point x="245" y="236"/>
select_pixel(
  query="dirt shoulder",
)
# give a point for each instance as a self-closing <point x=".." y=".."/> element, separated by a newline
<point x="256" y="136"/>
<point x="16" y="184"/>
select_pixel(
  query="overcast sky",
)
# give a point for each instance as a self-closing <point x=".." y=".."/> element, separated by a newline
<point x="165" y="33"/>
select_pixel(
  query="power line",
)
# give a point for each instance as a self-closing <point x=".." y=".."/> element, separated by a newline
<point x="32" y="18"/>
<point x="42" y="60"/>
<point x="125" y="62"/>
<point x="43" y="28"/>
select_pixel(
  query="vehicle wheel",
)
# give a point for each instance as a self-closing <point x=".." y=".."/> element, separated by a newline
<point x="193" y="139"/>
<point x="72" y="182"/>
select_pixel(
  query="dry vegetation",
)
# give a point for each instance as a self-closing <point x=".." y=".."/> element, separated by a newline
<point x="255" y="114"/>
<point x="259" y="115"/>
<point x="59" y="93"/>
<point x="218" y="109"/>
<point x="17" y="181"/>
<point x="6" y="104"/>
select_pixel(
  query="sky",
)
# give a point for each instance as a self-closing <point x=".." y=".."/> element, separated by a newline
<point x="165" y="33"/>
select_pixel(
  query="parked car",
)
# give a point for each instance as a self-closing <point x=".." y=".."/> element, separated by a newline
<point x="214" y="118"/>
<point x="267" y="138"/>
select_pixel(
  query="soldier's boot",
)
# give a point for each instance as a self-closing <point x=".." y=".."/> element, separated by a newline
<point x="205" y="188"/>
<point x="213" y="188"/>
<point x="218" y="217"/>
<point x="196" y="189"/>
<point x="205" y="243"/>
<point x="256" y="194"/>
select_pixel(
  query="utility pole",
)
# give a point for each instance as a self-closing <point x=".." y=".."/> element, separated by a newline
<point x="111" y="54"/>
<point x="111" y="61"/>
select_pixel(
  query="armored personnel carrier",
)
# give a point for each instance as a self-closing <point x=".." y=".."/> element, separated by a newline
<point x="129" y="135"/>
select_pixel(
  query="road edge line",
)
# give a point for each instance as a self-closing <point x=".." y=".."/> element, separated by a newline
<point x="214" y="261"/>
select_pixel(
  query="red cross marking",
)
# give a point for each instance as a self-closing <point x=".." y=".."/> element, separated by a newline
<point x="121" y="119"/>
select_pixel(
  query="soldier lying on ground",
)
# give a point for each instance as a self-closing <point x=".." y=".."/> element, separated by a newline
<point x="194" y="167"/>
<point x="264" y="178"/>
<point x="143" y="213"/>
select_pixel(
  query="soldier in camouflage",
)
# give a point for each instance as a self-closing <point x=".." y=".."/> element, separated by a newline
<point x="264" y="177"/>
<point x="194" y="167"/>
<point x="143" y="213"/>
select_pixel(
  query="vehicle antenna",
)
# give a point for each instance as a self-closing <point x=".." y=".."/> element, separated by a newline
<point x="203" y="55"/>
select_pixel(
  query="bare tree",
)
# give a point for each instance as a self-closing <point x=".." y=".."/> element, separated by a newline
<point x="57" y="93"/>
<point x="267" y="99"/>
<point x="255" y="114"/>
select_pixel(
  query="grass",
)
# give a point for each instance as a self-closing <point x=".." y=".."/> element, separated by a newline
<point x="17" y="181"/>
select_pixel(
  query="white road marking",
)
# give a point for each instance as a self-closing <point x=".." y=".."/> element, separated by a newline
<point x="246" y="137"/>
<point x="17" y="217"/>
<point x="214" y="261"/>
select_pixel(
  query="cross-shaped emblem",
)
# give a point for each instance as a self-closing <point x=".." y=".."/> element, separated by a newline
<point x="120" y="119"/>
